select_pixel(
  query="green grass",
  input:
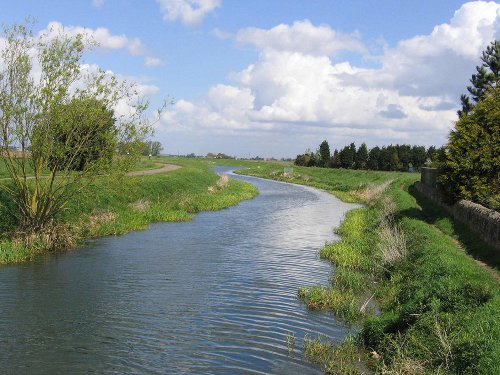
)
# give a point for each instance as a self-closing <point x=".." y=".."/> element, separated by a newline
<point x="340" y="182"/>
<point x="146" y="164"/>
<point x="439" y="310"/>
<point x="119" y="205"/>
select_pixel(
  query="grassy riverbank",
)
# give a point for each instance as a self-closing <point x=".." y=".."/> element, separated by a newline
<point x="120" y="205"/>
<point x="439" y="309"/>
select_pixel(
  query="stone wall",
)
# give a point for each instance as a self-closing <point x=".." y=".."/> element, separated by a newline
<point x="481" y="220"/>
<point x="429" y="176"/>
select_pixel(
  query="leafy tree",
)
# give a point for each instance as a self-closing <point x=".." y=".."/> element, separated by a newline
<point x="152" y="148"/>
<point x="470" y="166"/>
<point x="84" y="133"/>
<point x="324" y="154"/>
<point x="33" y="117"/>
<point x="486" y="77"/>
<point x="306" y="160"/>
<point x="362" y="157"/>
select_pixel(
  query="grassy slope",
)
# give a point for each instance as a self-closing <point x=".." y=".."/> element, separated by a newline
<point x="117" y="206"/>
<point x="440" y="311"/>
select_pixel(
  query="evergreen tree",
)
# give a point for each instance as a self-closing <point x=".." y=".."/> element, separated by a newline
<point x="487" y="76"/>
<point x="470" y="167"/>
<point x="419" y="156"/>
<point x="324" y="154"/>
<point x="405" y="156"/>
<point x="395" y="164"/>
<point x="385" y="158"/>
<point x="362" y="157"/>
<point x="348" y="155"/>
<point x="335" y="161"/>
<point x="374" y="158"/>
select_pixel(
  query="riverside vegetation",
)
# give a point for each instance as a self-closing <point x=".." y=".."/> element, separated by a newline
<point x="116" y="205"/>
<point x="437" y="310"/>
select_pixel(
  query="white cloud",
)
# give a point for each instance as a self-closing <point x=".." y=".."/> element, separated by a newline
<point x="105" y="40"/>
<point x="190" y="12"/>
<point x="294" y="88"/>
<point x="102" y="36"/>
<point x="301" y="37"/>
<point x="97" y="3"/>
<point x="152" y="61"/>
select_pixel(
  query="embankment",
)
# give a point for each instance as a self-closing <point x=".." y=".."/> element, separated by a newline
<point x="113" y="206"/>
<point x="439" y="311"/>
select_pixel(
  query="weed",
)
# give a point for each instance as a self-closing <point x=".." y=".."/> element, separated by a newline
<point x="290" y="342"/>
<point x="392" y="243"/>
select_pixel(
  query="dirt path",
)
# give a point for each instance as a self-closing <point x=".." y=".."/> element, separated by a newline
<point x="493" y="272"/>
<point x="165" y="168"/>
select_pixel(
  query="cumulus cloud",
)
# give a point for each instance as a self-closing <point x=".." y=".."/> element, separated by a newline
<point x="189" y="12"/>
<point x="104" y="38"/>
<point x="101" y="35"/>
<point x="301" y="36"/>
<point x="295" y="88"/>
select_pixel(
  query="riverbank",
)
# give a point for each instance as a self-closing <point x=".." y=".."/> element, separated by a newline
<point x="114" y="206"/>
<point x="439" y="310"/>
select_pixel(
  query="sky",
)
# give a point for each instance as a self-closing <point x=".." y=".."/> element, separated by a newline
<point x="272" y="78"/>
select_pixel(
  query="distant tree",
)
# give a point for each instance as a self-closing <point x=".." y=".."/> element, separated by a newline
<point x="374" y="158"/>
<point x="395" y="164"/>
<point x="152" y="148"/>
<point x="347" y="156"/>
<point x="419" y="156"/>
<point x="361" y="160"/>
<point x="306" y="160"/>
<point x="335" y="159"/>
<point x="324" y="154"/>
<point x="486" y="77"/>
<point x="156" y="148"/>
<point x="344" y="158"/>
<point x="405" y="156"/>
<point x="431" y="154"/>
<point x="385" y="158"/>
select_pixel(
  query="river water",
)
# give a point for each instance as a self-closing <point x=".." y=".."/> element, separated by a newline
<point x="214" y="295"/>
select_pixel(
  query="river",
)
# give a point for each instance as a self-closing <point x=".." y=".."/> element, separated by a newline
<point x="213" y="295"/>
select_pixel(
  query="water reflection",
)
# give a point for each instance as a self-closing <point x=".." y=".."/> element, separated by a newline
<point x="214" y="295"/>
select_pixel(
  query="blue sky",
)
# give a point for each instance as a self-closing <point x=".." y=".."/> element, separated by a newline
<point x="273" y="77"/>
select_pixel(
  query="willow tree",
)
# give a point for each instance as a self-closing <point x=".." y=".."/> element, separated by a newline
<point x="58" y="127"/>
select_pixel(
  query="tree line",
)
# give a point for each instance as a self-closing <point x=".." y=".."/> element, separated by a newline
<point x="386" y="158"/>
